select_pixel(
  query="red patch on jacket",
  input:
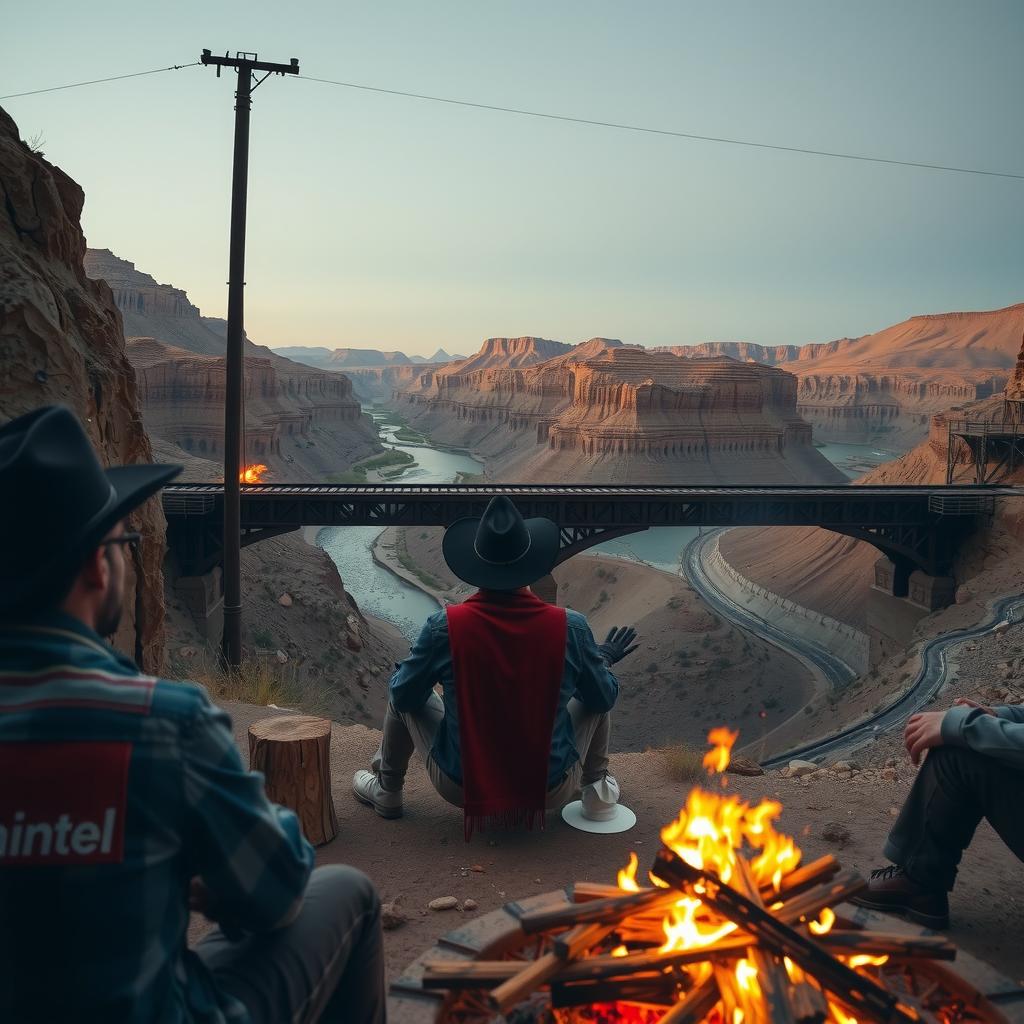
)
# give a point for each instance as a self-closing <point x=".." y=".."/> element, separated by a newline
<point x="63" y="803"/>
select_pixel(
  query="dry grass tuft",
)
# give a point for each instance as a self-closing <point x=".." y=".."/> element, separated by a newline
<point x="259" y="680"/>
<point x="683" y="763"/>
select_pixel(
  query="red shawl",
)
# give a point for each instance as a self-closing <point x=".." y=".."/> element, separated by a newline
<point x="508" y="657"/>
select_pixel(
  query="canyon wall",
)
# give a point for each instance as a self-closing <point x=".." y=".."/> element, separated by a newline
<point x="302" y="422"/>
<point x="61" y="340"/>
<point x="602" y="411"/>
<point x="884" y="387"/>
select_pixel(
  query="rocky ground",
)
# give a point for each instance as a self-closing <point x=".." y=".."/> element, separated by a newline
<point x="422" y="856"/>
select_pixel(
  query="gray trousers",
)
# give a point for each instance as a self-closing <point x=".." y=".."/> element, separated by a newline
<point x="953" y="791"/>
<point x="407" y="731"/>
<point x="327" y="965"/>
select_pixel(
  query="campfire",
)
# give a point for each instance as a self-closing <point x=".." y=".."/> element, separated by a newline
<point x="733" y="928"/>
<point x="252" y="474"/>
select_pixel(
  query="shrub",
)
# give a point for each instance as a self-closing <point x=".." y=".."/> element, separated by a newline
<point x="260" y="681"/>
<point x="683" y="763"/>
<point x="264" y="638"/>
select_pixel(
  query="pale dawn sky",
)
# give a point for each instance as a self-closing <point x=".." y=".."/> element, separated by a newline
<point x="382" y="221"/>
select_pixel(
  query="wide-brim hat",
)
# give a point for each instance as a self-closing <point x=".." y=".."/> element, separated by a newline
<point x="599" y="810"/>
<point x="59" y="502"/>
<point x="501" y="550"/>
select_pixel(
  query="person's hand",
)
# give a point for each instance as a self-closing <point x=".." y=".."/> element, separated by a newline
<point x="617" y="644"/>
<point x="966" y="702"/>
<point x="923" y="731"/>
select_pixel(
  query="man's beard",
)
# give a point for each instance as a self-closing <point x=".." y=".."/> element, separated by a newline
<point x="108" y="618"/>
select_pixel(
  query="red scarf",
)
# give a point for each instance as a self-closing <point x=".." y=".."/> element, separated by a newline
<point x="508" y="657"/>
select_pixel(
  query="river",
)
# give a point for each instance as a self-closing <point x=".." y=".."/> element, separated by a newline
<point x="381" y="593"/>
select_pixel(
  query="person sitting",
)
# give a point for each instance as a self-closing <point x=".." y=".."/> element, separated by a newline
<point x="523" y="722"/>
<point x="124" y="801"/>
<point x="973" y="769"/>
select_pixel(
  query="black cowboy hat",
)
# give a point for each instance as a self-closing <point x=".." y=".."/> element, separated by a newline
<point x="58" y="502"/>
<point x="501" y="550"/>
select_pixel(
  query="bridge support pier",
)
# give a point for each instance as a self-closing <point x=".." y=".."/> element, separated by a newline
<point x="204" y="598"/>
<point x="899" y="598"/>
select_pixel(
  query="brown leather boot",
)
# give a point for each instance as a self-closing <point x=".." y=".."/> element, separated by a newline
<point x="893" y="891"/>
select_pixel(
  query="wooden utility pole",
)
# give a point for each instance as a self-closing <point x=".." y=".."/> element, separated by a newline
<point x="247" y="65"/>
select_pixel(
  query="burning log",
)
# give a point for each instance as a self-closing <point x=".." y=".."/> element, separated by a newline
<point x="858" y="992"/>
<point x="735" y="931"/>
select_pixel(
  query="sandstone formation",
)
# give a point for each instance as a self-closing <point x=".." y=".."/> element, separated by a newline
<point x="603" y="411"/>
<point x="61" y="340"/>
<point x="301" y="421"/>
<point x="832" y="574"/>
<point x="885" y="387"/>
<point x="298" y="421"/>
<point x="342" y="358"/>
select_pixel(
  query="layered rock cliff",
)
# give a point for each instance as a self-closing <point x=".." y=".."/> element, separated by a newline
<point x="885" y="387"/>
<point x="302" y="422"/>
<point x="61" y="340"/>
<point x="605" y="411"/>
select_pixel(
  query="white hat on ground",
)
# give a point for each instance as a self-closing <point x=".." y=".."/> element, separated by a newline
<point x="599" y="809"/>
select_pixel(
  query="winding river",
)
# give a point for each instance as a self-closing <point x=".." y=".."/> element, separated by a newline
<point x="381" y="593"/>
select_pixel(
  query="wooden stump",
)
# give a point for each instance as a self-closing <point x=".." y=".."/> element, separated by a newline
<point x="294" y="754"/>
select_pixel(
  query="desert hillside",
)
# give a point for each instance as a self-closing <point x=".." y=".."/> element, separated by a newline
<point x="884" y="387"/>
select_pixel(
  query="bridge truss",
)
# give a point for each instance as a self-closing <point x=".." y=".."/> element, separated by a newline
<point x="917" y="527"/>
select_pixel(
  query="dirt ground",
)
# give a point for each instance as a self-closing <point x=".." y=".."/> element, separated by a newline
<point x="422" y="855"/>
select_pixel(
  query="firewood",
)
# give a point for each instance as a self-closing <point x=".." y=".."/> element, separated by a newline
<point x="866" y="998"/>
<point x="771" y="975"/>
<point x="572" y="943"/>
<point x="808" y="1003"/>
<point x="604" y="911"/>
<point x="850" y="943"/>
<point x="655" y="989"/>
<point x="539" y="971"/>
<point x="695" y="1006"/>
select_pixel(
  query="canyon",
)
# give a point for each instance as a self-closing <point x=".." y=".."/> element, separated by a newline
<point x="885" y="387"/>
<point x="61" y="342"/>
<point x="539" y="410"/>
<point x="300" y="421"/>
<point x="62" y="339"/>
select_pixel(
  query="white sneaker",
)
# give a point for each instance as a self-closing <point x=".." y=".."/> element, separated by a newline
<point x="368" y="790"/>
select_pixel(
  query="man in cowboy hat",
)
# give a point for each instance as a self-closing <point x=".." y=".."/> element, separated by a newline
<point x="523" y="724"/>
<point x="124" y="802"/>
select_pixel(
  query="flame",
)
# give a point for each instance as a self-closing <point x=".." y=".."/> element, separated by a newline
<point x="252" y="474"/>
<point x="620" y="951"/>
<point x="709" y="833"/>
<point x="823" y="925"/>
<point x="717" y="760"/>
<point x="864" y="960"/>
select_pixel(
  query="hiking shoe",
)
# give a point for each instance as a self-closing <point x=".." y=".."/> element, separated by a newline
<point x="368" y="790"/>
<point x="892" y="890"/>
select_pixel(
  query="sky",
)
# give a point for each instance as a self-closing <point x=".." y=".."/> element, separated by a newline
<point x="388" y="222"/>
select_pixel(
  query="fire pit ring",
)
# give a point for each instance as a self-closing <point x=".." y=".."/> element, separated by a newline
<point x="498" y="935"/>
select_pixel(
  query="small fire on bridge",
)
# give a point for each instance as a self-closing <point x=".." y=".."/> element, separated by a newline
<point x="252" y="474"/>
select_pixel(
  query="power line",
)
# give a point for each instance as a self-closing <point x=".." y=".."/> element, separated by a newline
<point x="665" y="131"/>
<point x="97" y="81"/>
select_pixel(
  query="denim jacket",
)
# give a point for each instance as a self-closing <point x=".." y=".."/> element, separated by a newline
<point x="585" y="676"/>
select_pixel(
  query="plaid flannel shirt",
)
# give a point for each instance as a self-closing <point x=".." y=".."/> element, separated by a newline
<point x="116" y="789"/>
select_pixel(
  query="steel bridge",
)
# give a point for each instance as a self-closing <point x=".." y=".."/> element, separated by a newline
<point x="918" y="527"/>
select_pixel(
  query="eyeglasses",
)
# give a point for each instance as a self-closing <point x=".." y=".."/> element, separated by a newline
<point x="131" y="539"/>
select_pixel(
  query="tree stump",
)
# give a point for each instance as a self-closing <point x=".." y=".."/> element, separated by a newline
<point x="294" y="754"/>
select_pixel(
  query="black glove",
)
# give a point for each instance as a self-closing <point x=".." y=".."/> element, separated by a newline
<point x="616" y="644"/>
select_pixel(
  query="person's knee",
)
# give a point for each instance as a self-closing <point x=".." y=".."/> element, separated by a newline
<point x="344" y="886"/>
